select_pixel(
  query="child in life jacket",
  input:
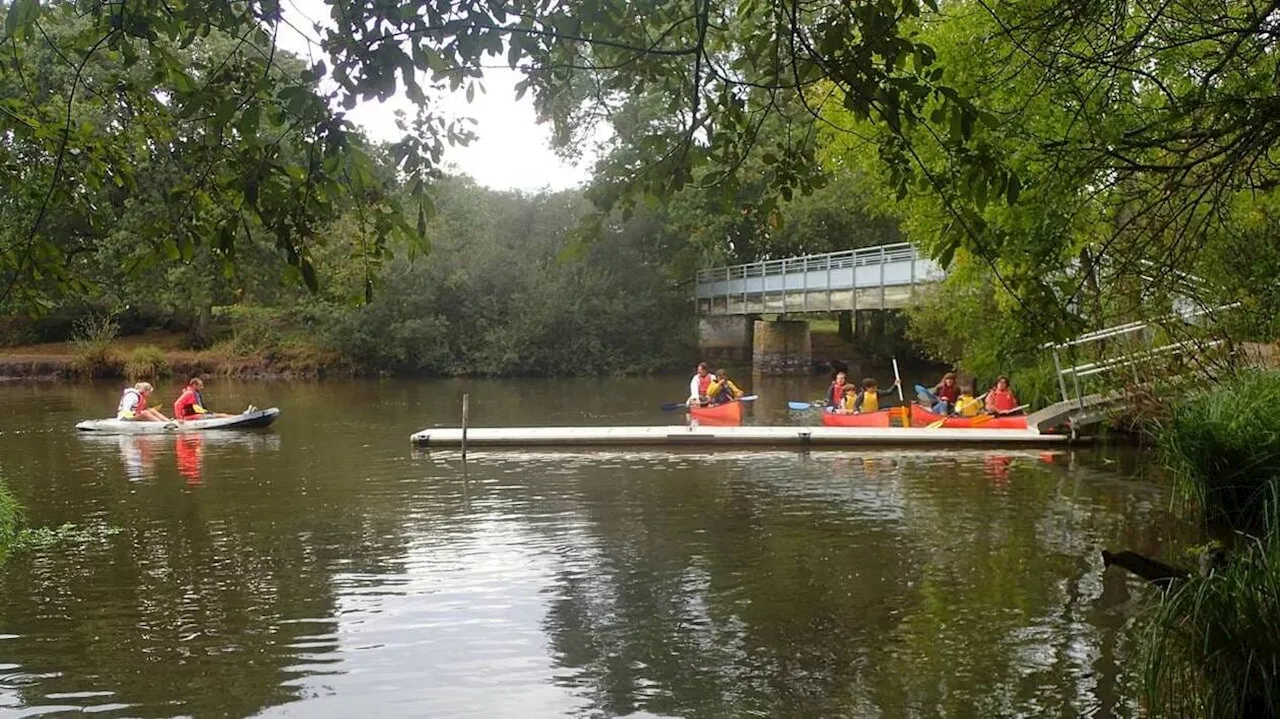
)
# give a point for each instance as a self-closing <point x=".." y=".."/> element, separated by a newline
<point x="966" y="404"/>
<point x="869" y="399"/>
<point x="722" y="389"/>
<point x="848" y="401"/>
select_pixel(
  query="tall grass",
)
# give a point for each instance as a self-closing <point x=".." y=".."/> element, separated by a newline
<point x="10" y="519"/>
<point x="1222" y="445"/>
<point x="1212" y="648"/>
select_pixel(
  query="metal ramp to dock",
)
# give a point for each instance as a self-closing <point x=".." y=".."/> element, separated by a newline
<point x="1080" y="408"/>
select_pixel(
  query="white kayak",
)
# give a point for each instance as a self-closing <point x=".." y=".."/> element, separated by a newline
<point x="247" y="420"/>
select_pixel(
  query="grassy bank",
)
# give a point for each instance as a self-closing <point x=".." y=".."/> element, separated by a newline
<point x="157" y="355"/>
<point x="1213" y="644"/>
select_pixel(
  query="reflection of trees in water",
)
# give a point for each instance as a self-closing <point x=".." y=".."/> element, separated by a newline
<point x="210" y="601"/>
<point x="745" y="594"/>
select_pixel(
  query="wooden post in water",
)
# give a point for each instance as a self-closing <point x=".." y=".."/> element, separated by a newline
<point x="466" y="406"/>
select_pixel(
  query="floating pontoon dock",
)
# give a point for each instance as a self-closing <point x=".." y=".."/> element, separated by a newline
<point x="703" y="436"/>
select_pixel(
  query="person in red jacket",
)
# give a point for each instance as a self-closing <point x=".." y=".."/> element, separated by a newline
<point x="190" y="404"/>
<point x="1000" y="399"/>
<point x="947" y="392"/>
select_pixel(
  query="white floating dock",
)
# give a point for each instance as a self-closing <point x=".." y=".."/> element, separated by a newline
<point x="681" y="435"/>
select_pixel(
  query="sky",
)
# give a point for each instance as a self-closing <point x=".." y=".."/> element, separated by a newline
<point x="511" y="151"/>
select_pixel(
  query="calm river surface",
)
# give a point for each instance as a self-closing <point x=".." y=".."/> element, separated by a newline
<point x="324" y="569"/>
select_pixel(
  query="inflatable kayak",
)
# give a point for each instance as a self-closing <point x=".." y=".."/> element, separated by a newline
<point x="922" y="417"/>
<point x="869" y="419"/>
<point x="727" y="413"/>
<point x="248" y="420"/>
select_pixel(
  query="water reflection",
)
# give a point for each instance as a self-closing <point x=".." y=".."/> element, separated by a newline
<point x="327" y="569"/>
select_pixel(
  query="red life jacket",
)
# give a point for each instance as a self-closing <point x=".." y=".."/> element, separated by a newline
<point x="703" y="382"/>
<point x="185" y="406"/>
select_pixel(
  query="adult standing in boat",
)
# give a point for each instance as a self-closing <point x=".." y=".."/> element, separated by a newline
<point x="133" y="405"/>
<point x="835" y="393"/>
<point x="947" y="392"/>
<point x="722" y="390"/>
<point x="698" y="385"/>
<point x="190" y="404"/>
<point x="1000" y="399"/>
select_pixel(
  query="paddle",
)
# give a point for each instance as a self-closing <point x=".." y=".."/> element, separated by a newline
<point x="673" y="406"/>
<point x="980" y="419"/>
<point x="798" y="406"/>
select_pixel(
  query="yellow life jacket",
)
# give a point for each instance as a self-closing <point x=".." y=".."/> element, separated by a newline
<point x="714" y="388"/>
<point x="848" y="401"/>
<point x="967" y="406"/>
<point x="870" y="401"/>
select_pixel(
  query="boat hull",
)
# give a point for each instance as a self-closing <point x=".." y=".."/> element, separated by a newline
<point x="869" y="419"/>
<point x="729" y="413"/>
<point x="247" y="420"/>
<point x="704" y="437"/>
<point x="922" y="417"/>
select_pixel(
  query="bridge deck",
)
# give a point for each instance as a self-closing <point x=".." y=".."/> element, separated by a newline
<point x="880" y="277"/>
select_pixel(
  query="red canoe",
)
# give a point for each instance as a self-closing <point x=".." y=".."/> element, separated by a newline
<point x="870" y="419"/>
<point x="728" y="413"/>
<point x="921" y="417"/>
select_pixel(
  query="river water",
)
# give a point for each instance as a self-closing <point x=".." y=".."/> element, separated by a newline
<point x="323" y="568"/>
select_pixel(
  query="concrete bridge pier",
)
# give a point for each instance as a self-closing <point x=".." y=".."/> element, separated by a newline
<point x="782" y="347"/>
<point x="725" y="338"/>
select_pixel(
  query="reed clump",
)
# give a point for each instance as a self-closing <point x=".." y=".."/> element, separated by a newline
<point x="91" y="346"/>
<point x="1222" y="445"/>
<point x="10" y="520"/>
<point x="1212" y="647"/>
<point x="146" y="362"/>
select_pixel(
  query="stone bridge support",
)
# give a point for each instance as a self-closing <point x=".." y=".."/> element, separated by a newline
<point x="782" y="347"/>
<point x="725" y="338"/>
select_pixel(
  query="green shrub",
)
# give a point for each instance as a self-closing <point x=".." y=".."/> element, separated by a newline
<point x="1222" y="445"/>
<point x="91" y="342"/>
<point x="145" y="362"/>
<point x="1212" y="647"/>
<point x="255" y="330"/>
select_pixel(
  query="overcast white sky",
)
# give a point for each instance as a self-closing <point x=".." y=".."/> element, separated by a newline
<point x="512" y="151"/>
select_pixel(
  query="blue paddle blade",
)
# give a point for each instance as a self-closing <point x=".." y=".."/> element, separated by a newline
<point x="799" y="405"/>
<point x="673" y="406"/>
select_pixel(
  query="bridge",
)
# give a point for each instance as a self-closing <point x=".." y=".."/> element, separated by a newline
<point x="881" y="277"/>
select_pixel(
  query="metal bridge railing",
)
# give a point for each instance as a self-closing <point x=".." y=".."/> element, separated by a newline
<point x="897" y="252"/>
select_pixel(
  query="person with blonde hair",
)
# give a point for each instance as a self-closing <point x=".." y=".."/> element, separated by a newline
<point x="133" y="405"/>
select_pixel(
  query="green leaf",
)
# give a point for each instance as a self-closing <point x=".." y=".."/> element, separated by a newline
<point x="1015" y="189"/>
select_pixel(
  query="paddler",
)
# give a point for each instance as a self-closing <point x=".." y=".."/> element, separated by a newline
<point x="869" y="399"/>
<point x="133" y="405"/>
<point x="848" y="401"/>
<point x="947" y="392"/>
<point x="190" y="404"/>
<point x="722" y="390"/>
<point x="1000" y="400"/>
<point x="835" y="393"/>
<point x="698" y="386"/>
<point x="966" y="404"/>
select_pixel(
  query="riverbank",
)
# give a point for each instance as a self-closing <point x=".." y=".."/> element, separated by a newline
<point x="155" y="355"/>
